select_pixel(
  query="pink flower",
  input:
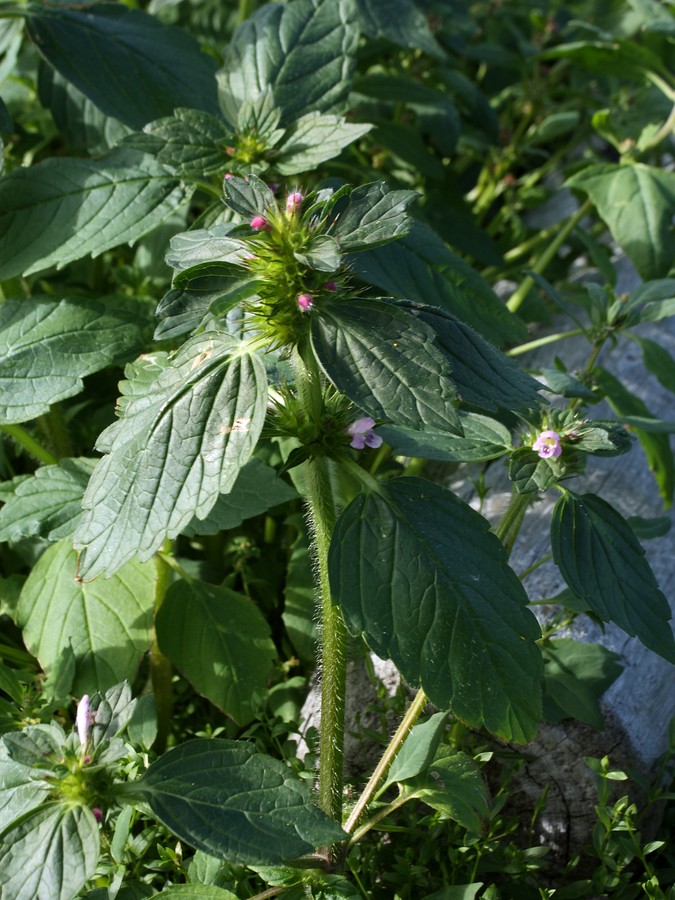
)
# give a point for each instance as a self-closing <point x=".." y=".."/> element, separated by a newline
<point x="305" y="302"/>
<point x="228" y="175"/>
<point x="363" y="435"/>
<point x="259" y="223"/>
<point x="548" y="445"/>
<point x="294" y="202"/>
<point x="98" y="813"/>
<point x="83" y="720"/>
<point x="330" y="286"/>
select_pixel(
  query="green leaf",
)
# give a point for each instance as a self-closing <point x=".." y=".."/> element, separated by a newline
<point x="51" y="852"/>
<point x="483" y="439"/>
<point x="113" y="712"/>
<point x="418" y="750"/>
<point x="189" y="423"/>
<point x="624" y="59"/>
<point x="308" y="44"/>
<point x="220" y="642"/>
<point x="63" y="209"/>
<point x="416" y="571"/>
<point x="566" y="385"/>
<point x="457" y="892"/>
<point x="249" y="196"/>
<point x="373" y="215"/>
<point x="576" y="675"/>
<point x="453" y="785"/>
<point x="299" y="615"/>
<point x="386" y="362"/>
<point x="20" y="790"/>
<point x="205" y="291"/>
<point x="483" y="375"/>
<point x="206" y="245"/>
<point x="646" y="529"/>
<point x="604" y="564"/>
<point x="256" y="490"/>
<point x="48" y="503"/>
<point x="313" y="140"/>
<point x="637" y="203"/>
<point x="658" y="361"/>
<point x="404" y="141"/>
<point x="399" y="21"/>
<point x="530" y="473"/>
<point x="107" y="623"/>
<point x="48" y="346"/>
<point x="420" y="267"/>
<point x="656" y="446"/>
<point x="10" y="684"/>
<point x="192" y="142"/>
<point x="196" y="892"/>
<point x="130" y="64"/>
<point x="228" y="800"/>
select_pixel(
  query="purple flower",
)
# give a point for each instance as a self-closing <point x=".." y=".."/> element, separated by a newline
<point x="294" y="202"/>
<point x="258" y="223"/>
<point x="548" y="445"/>
<point x="305" y="302"/>
<point x="363" y="435"/>
<point x="82" y="720"/>
<point x="330" y="286"/>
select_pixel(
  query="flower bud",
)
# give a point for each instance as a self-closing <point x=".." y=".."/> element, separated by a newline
<point x="305" y="302"/>
<point x="294" y="202"/>
<point x="259" y="223"/>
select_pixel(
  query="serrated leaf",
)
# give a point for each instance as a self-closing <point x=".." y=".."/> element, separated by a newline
<point x="372" y="215"/>
<point x="249" y="196"/>
<point x="321" y="253"/>
<point x="421" y="267"/>
<point x="107" y="623"/>
<point x="220" y="642"/>
<point x="189" y="423"/>
<point x="308" y="43"/>
<point x="313" y="139"/>
<point x="256" y="490"/>
<point x="228" y="800"/>
<point x="418" y="750"/>
<point x="20" y="790"/>
<point x="656" y="445"/>
<point x="530" y="473"/>
<point x="131" y="65"/>
<point x="51" y="852"/>
<point x="637" y="203"/>
<point x="604" y="564"/>
<point x="63" y="209"/>
<point x="192" y="142"/>
<point x="483" y="375"/>
<point x="416" y="571"/>
<point x="48" y="346"/>
<point x="483" y="439"/>
<point x="110" y="712"/>
<point x="48" y="503"/>
<point x="206" y="245"/>
<point x="453" y="784"/>
<point x="36" y="747"/>
<point x="399" y="21"/>
<point x="576" y="675"/>
<point x="386" y="362"/>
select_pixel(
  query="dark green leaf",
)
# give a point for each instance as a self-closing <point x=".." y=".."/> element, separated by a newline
<point x="321" y="253"/>
<point x="257" y="489"/>
<point x="603" y="563"/>
<point x="196" y="892"/>
<point x="304" y="51"/>
<point x="10" y="684"/>
<point x="194" y="143"/>
<point x="111" y="712"/>
<point x="228" y="800"/>
<point x="386" y="362"/>
<point x="530" y="473"/>
<point x="220" y="642"/>
<point x="418" y="750"/>
<point x="405" y="142"/>
<point x="20" y="790"/>
<point x="299" y="615"/>
<point x="189" y="423"/>
<point x="645" y="529"/>
<point x="417" y="572"/>
<point x="48" y="503"/>
<point x="199" y="294"/>
<point x="107" y="623"/>
<point x="312" y="140"/>
<point x="483" y="375"/>
<point x="576" y="675"/>
<point x="249" y="197"/>
<point x="48" y="346"/>
<point x="483" y="439"/>
<point x="453" y="784"/>
<point x="624" y="59"/>
<point x="6" y="124"/>
<point x="399" y="21"/>
<point x="51" y="852"/>
<point x="206" y="245"/>
<point x="36" y="746"/>
<point x="658" y="361"/>
<point x="637" y="202"/>
<point x="420" y="267"/>
<point x="63" y="209"/>
<point x="373" y="215"/>
<point x="656" y="446"/>
<point x="566" y="385"/>
<point x="126" y="61"/>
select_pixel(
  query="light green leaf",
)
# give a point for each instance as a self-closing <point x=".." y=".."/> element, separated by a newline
<point x="220" y="642"/>
<point x="48" y="503"/>
<point x="398" y="21"/>
<point x="206" y="245"/>
<point x="483" y="439"/>
<point x="63" y="209"/>
<point x="312" y="140"/>
<point x="20" y="790"/>
<point x="576" y="675"/>
<point x="321" y="253"/>
<point x="196" y="892"/>
<point x="113" y="711"/>
<point x="457" y="892"/>
<point x="130" y="64"/>
<point x="386" y="362"/>
<point x="604" y="564"/>
<point x="418" y="750"/>
<point x="637" y="203"/>
<point x="189" y="423"/>
<point x="373" y="215"/>
<point x="307" y="43"/>
<point x="416" y="571"/>
<point x="453" y="784"/>
<point x="51" y="852"/>
<point x="257" y="489"/>
<point x="107" y="623"/>
<point x="530" y="473"/>
<point x="299" y="615"/>
<point x="35" y="746"/>
<point x="226" y="799"/>
<point x="249" y="196"/>
<point x="48" y="346"/>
